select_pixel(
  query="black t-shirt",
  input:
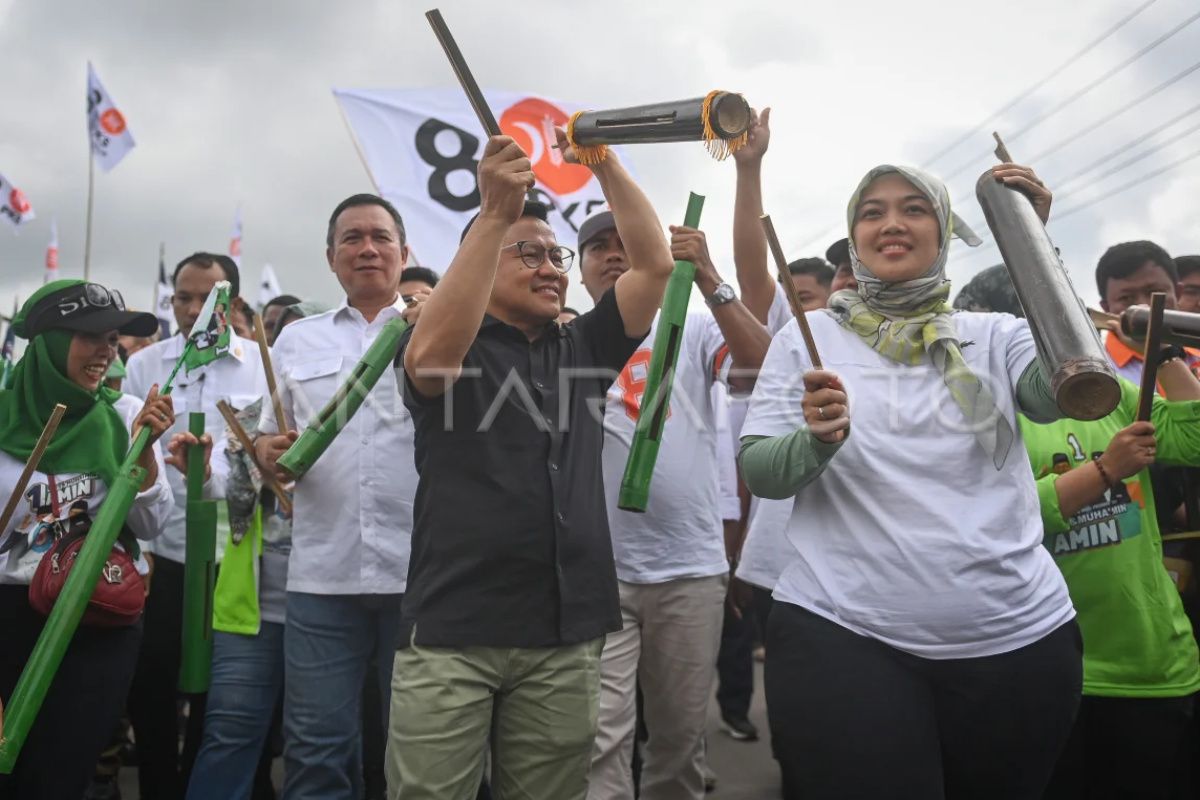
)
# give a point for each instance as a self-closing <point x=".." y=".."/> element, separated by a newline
<point x="510" y="543"/>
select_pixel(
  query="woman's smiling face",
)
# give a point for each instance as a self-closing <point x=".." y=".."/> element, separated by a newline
<point x="896" y="231"/>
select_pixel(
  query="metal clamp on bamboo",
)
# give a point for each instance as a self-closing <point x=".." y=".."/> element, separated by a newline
<point x="1081" y="377"/>
<point x="719" y="119"/>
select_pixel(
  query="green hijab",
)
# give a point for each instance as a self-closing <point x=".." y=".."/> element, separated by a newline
<point x="905" y="320"/>
<point x="92" y="438"/>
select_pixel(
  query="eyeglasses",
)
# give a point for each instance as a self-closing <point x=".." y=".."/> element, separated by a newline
<point x="534" y="255"/>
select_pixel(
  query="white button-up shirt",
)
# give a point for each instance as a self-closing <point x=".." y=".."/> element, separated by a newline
<point x="237" y="378"/>
<point x="352" y="511"/>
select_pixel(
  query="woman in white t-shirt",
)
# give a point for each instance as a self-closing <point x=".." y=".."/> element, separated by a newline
<point x="923" y="643"/>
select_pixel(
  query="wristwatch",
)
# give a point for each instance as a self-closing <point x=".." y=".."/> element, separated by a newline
<point x="723" y="294"/>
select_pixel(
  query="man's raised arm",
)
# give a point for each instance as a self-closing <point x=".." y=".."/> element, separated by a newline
<point x="749" y="244"/>
<point x="451" y="317"/>
<point x="639" y="291"/>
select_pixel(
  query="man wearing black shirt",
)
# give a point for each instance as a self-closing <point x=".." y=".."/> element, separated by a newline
<point x="511" y="586"/>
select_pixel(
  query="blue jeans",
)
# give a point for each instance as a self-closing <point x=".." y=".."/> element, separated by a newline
<point x="247" y="679"/>
<point x="328" y="644"/>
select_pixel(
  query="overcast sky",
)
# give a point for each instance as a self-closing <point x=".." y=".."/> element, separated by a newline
<point x="231" y="104"/>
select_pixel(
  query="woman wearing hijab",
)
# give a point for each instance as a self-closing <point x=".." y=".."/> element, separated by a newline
<point x="922" y="642"/>
<point x="72" y="328"/>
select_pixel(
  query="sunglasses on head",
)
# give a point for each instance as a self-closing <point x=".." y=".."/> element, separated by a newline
<point x="72" y="302"/>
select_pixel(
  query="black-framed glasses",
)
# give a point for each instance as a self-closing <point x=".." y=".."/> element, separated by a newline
<point x="533" y="255"/>
<point x="73" y="301"/>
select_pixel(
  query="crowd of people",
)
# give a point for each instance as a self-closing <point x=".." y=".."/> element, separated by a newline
<point x="958" y="592"/>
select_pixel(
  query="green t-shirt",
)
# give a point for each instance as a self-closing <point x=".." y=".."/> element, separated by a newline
<point x="1137" y="641"/>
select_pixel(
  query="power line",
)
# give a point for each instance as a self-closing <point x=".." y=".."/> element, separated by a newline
<point x="1037" y="85"/>
<point x="1129" y="185"/>
<point x="1098" y="122"/>
<point x="1104" y="159"/>
<point x="1014" y="135"/>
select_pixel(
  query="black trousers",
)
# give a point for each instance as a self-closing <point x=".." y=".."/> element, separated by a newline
<point x="81" y="708"/>
<point x="1123" y="747"/>
<point x="162" y="771"/>
<point x="853" y="718"/>
<point x="735" y="663"/>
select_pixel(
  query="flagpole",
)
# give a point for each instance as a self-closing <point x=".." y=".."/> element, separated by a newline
<point x="87" y="241"/>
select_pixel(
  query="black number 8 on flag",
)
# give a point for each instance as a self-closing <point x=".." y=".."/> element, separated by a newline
<point x="445" y="165"/>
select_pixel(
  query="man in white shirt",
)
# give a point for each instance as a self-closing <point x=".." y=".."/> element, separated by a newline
<point x="352" y="519"/>
<point x="239" y="380"/>
<point x="671" y="563"/>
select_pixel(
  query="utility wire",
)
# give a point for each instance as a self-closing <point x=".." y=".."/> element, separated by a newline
<point x="1054" y="73"/>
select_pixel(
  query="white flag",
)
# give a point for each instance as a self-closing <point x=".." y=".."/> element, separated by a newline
<point x="422" y="147"/>
<point x="162" y="297"/>
<point x="111" y="139"/>
<point x="235" y="238"/>
<point x="52" y="253"/>
<point x="14" y="207"/>
<point x="268" y="286"/>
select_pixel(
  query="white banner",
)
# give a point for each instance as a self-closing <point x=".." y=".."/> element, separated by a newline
<point x="163" y="292"/>
<point x="268" y="286"/>
<point x="422" y="148"/>
<point x="14" y="206"/>
<point x="111" y="139"/>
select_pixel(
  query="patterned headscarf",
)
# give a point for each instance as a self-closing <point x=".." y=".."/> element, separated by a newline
<point x="906" y="319"/>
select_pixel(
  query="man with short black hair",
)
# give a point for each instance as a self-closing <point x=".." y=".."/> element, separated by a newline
<point x="272" y="311"/>
<point x="1189" y="283"/>
<point x="352" y="510"/>
<point x="1126" y="275"/>
<point x="812" y="278"/>
<point x="239" y="380"/>
<point x="512" y="587"/>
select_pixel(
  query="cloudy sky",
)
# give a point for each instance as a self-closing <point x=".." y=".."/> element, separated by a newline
<point x="231" y="104"/>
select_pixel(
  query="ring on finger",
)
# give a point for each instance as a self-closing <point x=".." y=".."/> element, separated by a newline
<point x="821" y="412"/>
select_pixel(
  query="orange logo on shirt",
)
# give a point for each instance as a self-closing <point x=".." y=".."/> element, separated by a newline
<point x="632" y="383"/>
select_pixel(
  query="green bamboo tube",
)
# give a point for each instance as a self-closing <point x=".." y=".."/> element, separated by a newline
<point x="344" y="404"/>
<point x="199" y="576"/>
<point x="647" y="436"/>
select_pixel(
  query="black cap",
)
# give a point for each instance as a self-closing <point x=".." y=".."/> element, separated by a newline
<point x="70" y="308"/>
<point x="595" y="225"/>
<point x="838" y="253"/>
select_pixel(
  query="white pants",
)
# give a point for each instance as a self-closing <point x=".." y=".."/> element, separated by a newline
<point x="669" y="641"/>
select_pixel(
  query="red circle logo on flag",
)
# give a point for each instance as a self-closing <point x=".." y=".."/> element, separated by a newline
<point x="17" y="201"/>
<point x="112" y="122"/>
<point x="531" y="123"/>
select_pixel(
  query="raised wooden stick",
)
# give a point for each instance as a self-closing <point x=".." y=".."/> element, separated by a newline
<point x="231" y="421"/>
<point x="1002" y="151"/>
<point x="1151" y="356"/>
<point x="789" y="288"/>
<point x="31" y="465"/>
<point x="487" y="119"/>
<point x="264" y="352"/>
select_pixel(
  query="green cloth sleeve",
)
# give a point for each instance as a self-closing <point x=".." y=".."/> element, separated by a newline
<point x="1034" y="398"/>
<point x="776" y="467"/>
<point x="1052" y="518"/>
<point x="1177" y="431"/>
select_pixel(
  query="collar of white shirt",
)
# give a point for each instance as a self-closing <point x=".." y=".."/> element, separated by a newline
<point x="346" y="311"/>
